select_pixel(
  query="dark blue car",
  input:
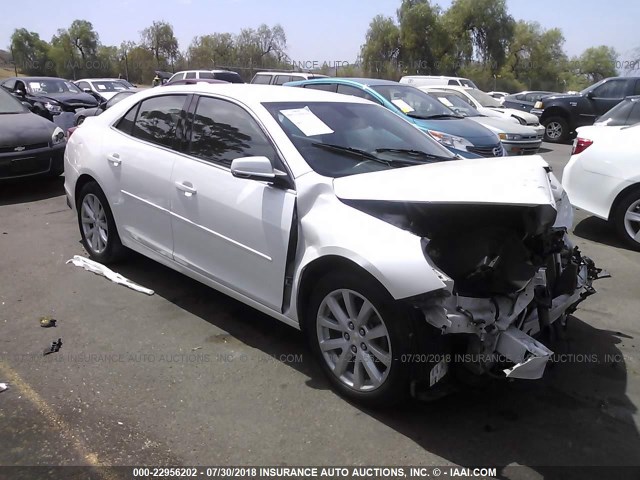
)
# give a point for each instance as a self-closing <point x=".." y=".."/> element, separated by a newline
<point x="460" y="135"/>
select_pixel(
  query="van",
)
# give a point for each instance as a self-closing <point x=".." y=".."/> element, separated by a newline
<point x="225" y="75"/>
<point x="435" y="81"/>
<point x="280" y="78"/>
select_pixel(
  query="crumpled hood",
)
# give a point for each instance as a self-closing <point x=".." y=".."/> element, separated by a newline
<point x="530" y="118"/>
<point x="500" y="180"/>
<point x="69" y="98"/>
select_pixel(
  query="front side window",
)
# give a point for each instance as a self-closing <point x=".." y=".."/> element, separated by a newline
<point x="611" y="89"/>
<point x="222" y="131"/>
<point x="356" y="92"/>
<point x="9" y="84"/>
<point x="9" y="104"/>
<point x="157" y="119"/>
<point x="261" y="79"/>
<point x="413" y="102"/>
<point x="342" y="138"/>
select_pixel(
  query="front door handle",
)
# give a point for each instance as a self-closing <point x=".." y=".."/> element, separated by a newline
<point x="114" y="159"/>
<point x="187" y="188"/>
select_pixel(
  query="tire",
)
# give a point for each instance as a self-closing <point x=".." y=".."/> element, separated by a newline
<point x="388" y="384"/>
<point x="80" y="121"/>
<point x="103" y="244"/>
<point x="556" y="130"/>
<point x="626" y="219"/>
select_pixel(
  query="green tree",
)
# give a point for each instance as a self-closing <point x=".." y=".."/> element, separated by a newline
<point x="597" y="63"/>
<point x="29" y="52"/>
<point x="161" y="41"/>
<point x="379" y="54"/>
<point x="207" y="51"/>
<point x="84" y="38"/>
<point x="63" y="56"/>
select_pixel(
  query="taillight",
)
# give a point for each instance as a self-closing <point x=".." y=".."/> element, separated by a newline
<point x="580" y="145"/>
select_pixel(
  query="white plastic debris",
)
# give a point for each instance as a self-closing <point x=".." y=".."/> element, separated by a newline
<point x="100" y="269"/>
<point x="3" y="387"/>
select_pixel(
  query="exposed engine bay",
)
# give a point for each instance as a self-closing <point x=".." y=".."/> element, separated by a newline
<point x="510" y="272"/>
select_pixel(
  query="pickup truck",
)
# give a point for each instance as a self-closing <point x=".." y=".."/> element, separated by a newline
<point x="562" y="114"/>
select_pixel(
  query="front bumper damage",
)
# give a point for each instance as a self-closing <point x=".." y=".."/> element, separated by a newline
<point x="495" y="335"/>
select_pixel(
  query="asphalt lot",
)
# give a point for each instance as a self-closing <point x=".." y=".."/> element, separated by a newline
<point x="190" y="377"/>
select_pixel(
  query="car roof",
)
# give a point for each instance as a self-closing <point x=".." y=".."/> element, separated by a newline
<point x="348" y="80"/>
<point x="256" y="94"/>
<point x="31" y="79"/>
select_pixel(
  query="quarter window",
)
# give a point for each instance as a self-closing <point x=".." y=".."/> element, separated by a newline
<point x="126" y="123"/>
<point x="157" y="119"/>
<point x="222" y="131"/>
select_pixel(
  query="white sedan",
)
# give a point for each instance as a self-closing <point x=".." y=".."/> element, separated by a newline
<point x="603" y="177"/>
<point x="336" y="216"/>
<point x="487" y="105"/>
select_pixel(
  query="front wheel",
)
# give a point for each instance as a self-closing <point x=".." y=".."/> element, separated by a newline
<point x="361" y="338"/>
<point x="97" y="226"/>
<point x="556" y="130"/>
<point x="626" y="218"/>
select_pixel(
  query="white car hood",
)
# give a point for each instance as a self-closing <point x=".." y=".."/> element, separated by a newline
<point x="501" y="181"/>
<point x="506" y="113"/>
<point x="504" y="125"/>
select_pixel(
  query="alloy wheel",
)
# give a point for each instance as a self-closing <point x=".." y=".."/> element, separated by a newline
<point x="354" y="340"/>
<point x="94" y="223"/>
<point x="632" y="220"/>
<point x="554" y="130"/>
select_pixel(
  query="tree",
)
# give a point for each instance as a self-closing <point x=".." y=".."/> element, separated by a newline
<point x="597" y="63"/>
<point x="489" y="27"/>
<point x="380" y="51"/>
<point x="63" y="55"/>
<point x="159" y="38"/>
<point x="29" y="52"/>
<point x="84" y="38"/>
<point x="207" y="51"/>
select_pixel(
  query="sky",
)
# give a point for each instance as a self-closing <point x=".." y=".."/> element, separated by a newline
<point x="318" y="31"/>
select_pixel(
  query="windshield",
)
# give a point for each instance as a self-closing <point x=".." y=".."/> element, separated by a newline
<point x="339" y="138"/>
<point x="626" y="112"/>
<point x="457" y="104"/>
<point x="109" y="86"/>
<point x="413" y="102"/>
<point x="9" y="104"/>
<point x="484" y="99"/>
<point x="51" y="85"/>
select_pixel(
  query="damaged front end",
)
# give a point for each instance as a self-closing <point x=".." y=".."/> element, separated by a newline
<point x="511" y="274"/>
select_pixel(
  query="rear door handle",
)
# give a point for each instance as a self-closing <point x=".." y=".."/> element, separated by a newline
<point x="114" y="159"/>
<point x="187" y="188"/>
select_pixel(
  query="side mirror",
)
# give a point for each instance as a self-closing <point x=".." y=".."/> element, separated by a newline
<point x="20" y="93"/>
<point x="87" y="90"/>
<point x="590" y="95"/>
<point x="253" y="168"/>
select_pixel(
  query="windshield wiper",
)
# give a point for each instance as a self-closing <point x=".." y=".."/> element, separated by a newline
<point x="414" y="153"/>
<point x="351" y="151"/>
<point x="431" y="117"/>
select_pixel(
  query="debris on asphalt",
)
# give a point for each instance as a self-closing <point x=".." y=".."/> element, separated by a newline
<point x="100" y="269"/>
<point x="3" y="387"/>
<point x="55" y="346"/>
<point x="47" y="322"/>
<point x="195" y="348"/>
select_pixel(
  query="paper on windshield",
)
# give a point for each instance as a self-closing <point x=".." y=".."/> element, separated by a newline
<point x="307" y="121"/>
<point x="445" y="101"/>
<point x="402" y="105"/>
<point x="101" y="87"/>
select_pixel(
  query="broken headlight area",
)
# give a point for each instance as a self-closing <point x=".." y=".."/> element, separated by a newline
<point x="509" y="276"/>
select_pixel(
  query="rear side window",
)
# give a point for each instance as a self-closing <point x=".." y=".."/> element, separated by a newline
<point x="207" y="75"/>
<point x="453" y="82"/>
<point x="327" y="87"/>
<point x="190" y="75"/>
<point x="262" y="79"/>
<point x="158" y="118"/>
<point x="223" y="131"/>
<point x="282" y="79"/>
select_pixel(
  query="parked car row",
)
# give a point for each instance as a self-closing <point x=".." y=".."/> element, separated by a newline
<point x="334" y="214"/>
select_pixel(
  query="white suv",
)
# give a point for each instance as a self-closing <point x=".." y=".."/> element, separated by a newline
<point x="280" y="78"/>
<point x="225" y="75"/>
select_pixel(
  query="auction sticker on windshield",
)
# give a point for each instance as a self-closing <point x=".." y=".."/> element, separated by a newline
<point x="402" y="105"/>
<point x="307" y="121"/>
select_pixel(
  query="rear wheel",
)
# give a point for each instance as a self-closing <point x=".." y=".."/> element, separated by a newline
<point x="556" y="130"/>
<point x="626" y="218"/>
<point x="360" y="336"/>
<point x="97" y="226"/>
